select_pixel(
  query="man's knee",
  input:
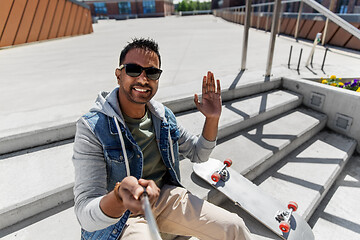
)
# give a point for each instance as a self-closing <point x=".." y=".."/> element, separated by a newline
<point x="236" y="228"/>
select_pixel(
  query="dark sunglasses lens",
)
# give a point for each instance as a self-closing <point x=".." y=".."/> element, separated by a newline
<point x="153" y="73"/>
<point x="133" y="70"/>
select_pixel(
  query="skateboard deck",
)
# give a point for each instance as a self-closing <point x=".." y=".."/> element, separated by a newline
<point x="251" y="199"/>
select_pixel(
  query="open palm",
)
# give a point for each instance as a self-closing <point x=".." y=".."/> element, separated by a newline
<point x="210" y="104"/>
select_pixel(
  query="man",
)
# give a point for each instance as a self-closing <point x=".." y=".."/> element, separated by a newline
<point x="129" y="142"/>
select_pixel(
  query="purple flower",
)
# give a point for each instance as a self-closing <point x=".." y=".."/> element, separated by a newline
<point x="348" y="83"/>
<point x="353" y="84"/>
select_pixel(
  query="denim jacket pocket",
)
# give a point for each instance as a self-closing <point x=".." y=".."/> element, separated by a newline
<point x="115" y="167"/>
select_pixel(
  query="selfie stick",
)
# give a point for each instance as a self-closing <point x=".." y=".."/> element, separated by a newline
<point x="154" y="230"/>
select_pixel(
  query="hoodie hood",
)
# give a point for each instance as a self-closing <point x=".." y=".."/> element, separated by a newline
<point x="108" y="104"/>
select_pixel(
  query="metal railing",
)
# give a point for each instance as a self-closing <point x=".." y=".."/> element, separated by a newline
<point x="249" y="9"/>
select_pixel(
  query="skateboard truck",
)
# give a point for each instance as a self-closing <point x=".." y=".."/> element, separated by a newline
<point x="222" y="174"/>
<point x="283" y="217"/>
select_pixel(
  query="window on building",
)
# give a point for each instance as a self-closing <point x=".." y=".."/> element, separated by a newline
<point x="149" y="6"/>
<point x="343" y="6"/>
<point x="100" y="8"/>
<point x="124" y="7"/>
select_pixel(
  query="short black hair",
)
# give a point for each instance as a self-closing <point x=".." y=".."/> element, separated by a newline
<point x="146" y="44"/>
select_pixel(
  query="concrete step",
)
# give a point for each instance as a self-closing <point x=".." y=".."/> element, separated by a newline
<point x="306" y="175"/>
<point x="243" y="112"/>
<point x="35" y="180"/>
<point x="48" y="170"/>
<point x="332" y="220"/>
<point x="57" y="223"/>
<point x="257" y="148"/>
<point x="337" y="216"/>
<point x="42" y="126"/>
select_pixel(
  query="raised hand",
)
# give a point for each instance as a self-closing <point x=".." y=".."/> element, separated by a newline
<point x="210" y="104"/>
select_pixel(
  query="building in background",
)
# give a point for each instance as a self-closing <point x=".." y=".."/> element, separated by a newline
<point x="340" y="6"/>
<point x="123" y="9"/>
<point x="38" y="20"/>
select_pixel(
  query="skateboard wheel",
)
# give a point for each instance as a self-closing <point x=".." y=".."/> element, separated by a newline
<point x="215" y="177"/>
<point x="284" y="227"/>
<point x="228" y="162"/>
<point x="293" y="205"/>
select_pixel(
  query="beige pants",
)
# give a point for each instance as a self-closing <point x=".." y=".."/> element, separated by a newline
<point x="179" y="212"/>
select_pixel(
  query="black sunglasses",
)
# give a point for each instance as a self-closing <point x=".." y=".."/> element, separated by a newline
<point x="134" y="70"/>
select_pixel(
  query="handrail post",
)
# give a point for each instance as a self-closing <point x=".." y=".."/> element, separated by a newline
<point x="281" y="13"/>
<point x="267" y="18"/>
<point x="298" y="20"/>
<point x="331" y="8"/>
<point x="274" y="27"/>
<point x="323" y="42"/>
<point x="258" y="18"/>
<point x="246" y="34"/>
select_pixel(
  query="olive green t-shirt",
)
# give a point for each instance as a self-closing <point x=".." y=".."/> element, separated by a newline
<point x="143" y="132"/>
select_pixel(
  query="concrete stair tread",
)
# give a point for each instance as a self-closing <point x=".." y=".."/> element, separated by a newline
<point x="48" y="170"/>
<point x="235" y="113"/>
<point x="334" y="218"/>
<point x="38" y="174"/>
<point x="307" y="174"/>
<point x="62" y="224"/>
<point x="59" y="225"/>
<point x="264" y="142"/>
<point x="43" y="126"/>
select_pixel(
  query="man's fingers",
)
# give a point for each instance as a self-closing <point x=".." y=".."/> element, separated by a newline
<point x="196" y="99"/>
<point x="204" y="85"/>
<point x="132" y="185"/>
<point x="218" y="89"/>
<point x="212" y="82"/>
<point x="151" y="188"/>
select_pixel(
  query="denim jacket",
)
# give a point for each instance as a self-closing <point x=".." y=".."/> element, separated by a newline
<point x="98" y="133"/>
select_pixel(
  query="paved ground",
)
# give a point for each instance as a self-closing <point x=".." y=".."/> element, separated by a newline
<point x="53" y="82"/>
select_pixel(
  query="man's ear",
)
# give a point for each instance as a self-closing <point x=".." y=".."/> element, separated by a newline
<point x="118" y="74"/>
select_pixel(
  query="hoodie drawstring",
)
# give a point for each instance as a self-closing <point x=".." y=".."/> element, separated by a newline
<point x="124" y="150"/>
<point x="123" y="147"/>
<point x="171" y="148"/>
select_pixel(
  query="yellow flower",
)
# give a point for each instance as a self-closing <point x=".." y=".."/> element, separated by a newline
<point x="358" y="90"/>
<point x="324" y="81"/>
<point x="341" y="84"/>
<point x="333" y="84"/>
<point x="340" y="78"/>
<point x="332" y="77"/>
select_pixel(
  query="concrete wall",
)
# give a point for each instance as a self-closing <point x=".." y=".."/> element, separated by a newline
<point x="24" y="21"/>
<point x="342" y="106"/>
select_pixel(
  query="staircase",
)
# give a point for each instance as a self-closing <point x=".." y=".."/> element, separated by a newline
<point x="272" y="138"/>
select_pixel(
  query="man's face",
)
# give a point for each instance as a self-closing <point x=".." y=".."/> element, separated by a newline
<point x="137" y="90"/>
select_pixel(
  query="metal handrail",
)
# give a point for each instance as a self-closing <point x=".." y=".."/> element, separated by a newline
<point x="312" y="3"/>
<point x="334" y="18"/>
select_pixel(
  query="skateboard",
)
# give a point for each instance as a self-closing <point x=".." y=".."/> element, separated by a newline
<point x="279" y="218"/>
